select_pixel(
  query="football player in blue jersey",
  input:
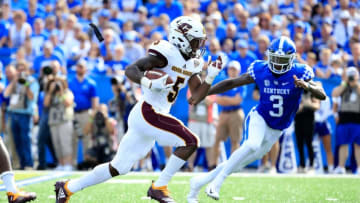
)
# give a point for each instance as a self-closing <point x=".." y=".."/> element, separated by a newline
<point x="281" y="83"/>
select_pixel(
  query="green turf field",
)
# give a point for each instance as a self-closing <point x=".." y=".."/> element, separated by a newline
<point x="238" y="188"/>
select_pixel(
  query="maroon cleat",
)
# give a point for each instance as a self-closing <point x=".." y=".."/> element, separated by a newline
<point x="160" y="194"/>
<point x="62" y="192"/>
<point x="21" y="196"/>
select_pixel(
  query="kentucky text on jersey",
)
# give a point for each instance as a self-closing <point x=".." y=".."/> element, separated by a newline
<point x="269" y="90"/>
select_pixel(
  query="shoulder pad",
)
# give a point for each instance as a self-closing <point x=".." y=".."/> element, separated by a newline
<point x="161" y="47"/>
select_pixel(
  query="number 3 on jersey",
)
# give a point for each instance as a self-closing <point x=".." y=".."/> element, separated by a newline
<point x="175" y="89"/>
<point x="277" y="105"/>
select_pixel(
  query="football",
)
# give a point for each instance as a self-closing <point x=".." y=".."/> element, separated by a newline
<point x="155" y="74"/>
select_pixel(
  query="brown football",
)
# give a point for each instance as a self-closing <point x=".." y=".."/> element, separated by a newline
<point x="155" y="74"/>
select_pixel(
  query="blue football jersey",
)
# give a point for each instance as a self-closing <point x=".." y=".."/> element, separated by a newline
<point x="279" y="98"/>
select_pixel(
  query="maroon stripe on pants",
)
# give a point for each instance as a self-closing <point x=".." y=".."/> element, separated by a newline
<point x="168" y="124"/>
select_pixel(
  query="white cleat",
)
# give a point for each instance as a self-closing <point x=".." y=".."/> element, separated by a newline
<point x="195" y="187"/>
<point x="211" y="192"/>
<point x="339" y="170"/>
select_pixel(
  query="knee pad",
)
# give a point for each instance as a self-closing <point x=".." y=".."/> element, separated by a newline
<point x="253" y="146"/>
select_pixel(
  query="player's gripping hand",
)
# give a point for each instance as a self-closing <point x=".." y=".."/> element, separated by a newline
<point x="300" y="83"/>
<point x="213" y="69"/>
<point x="156" y="84"/>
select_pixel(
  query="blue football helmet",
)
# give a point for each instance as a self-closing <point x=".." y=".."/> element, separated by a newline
<point x="281" y="54"/>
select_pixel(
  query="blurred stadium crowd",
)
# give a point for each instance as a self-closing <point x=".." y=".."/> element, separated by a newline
<point x="61" y="86"/>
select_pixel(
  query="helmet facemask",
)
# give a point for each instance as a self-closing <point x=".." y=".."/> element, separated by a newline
<point x="279" y="62"/>
<point x="197" y="46"/>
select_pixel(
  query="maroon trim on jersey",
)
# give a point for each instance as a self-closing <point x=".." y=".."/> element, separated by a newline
<point x="168" y="124"/>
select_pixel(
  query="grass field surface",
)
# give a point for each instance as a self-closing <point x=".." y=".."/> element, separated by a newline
<point x="240" y="187"/>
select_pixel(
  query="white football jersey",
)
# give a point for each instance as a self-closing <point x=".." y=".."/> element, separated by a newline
<point x="177" y="68"/>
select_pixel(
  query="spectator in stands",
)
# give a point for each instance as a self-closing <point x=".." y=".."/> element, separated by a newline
<point x="134" y="50"/>
<point x="333" y="46"/>
<point x="311" y="59"/>
<point x="344" y="28"/>
<point x="162" y="25"/>
<point x="29" y="52"/>
<point x="22" y="91"/>
<point x="231" y="31"/>
<point x="263" y="43"/>
<point x="228" y="47"/>
<point x="220" y="27"/>
<point x="50" y="24"/>
<point x="348" y="128"/>
<point x="142" y="19"/>
<point x="323" y="129"/>
<point x="215" y="51"/>
<point x="20" y="30"/>
<point x="202" y="119"/>
<point x="107" y="47"/>
<point x="100" y="127"/>
<point x="60" y="101"/>
<point x="10" y="73"/>
<point x="44" y="134"/>
<point x="326" y="31"/>
<point x="84" y="90"/>
<point x="304" y="129"/>
<point x="34" y="11"/>
<point x="85" y="16"/>
<point x="170" y="7"/>
<point x="231" y="116"/>
<point x="243" y="54"/>
<point x="82" y="50"/>
<point x="44" y="59"/>
<point x="118" y="64"/>
<point x="308" y="43"/>
<point x="38" y="37"/>
<point x="354" y="13"/>
<point x="322" y="69"/>
<point x="264" y="23"/>
<point x="244" y="25"/>
<point x="275" y="26"/>
<point x="254" y="35"/>
<point x="74" y="6"/>
<point x="355" y="51"/>
<point x="94" y="61"/>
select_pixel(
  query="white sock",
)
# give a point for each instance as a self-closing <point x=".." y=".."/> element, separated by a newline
<point x="174" y="164"/>
<point x="207" y="177"/>
<point x="331" y="168"/>
<point x="9" y="182"/>
<point x="239" y="159"/>
<point x="99" y="174"/>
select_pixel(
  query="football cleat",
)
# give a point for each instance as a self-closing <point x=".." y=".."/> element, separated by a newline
<point x="211" y="192"/>
<point x="62" y="193"/>
<point x="21" y="196"/>
<point x="160" y="194"/>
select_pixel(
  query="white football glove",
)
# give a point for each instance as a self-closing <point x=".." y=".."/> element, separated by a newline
<point x="213" y="70"/>
<point x="156" y="84"/>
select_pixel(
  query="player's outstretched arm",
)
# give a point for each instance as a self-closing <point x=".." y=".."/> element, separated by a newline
<point x="136" y="70"/>
<point x="228" y="84"/>
<point x="315" y="89"/>
<point x="199" y="89"/>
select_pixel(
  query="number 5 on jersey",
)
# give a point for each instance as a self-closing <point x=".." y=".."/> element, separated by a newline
<point x="175" y="89"/>
<point x="277" y="105"/>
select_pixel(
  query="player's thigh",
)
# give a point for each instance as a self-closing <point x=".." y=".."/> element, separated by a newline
<point x="255" y="128"/>
<point x="165" y="128"/>
<point x="132" y="148"/>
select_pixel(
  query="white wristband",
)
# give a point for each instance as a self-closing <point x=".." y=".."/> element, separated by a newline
<point x="146" y="82"/>
<point x="209" y="80"/>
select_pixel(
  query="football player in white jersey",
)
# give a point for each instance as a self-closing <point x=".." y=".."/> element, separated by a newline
<point x="149" y="120"/>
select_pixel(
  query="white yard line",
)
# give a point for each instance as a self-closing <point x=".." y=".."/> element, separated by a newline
<point x="38" y="179"/>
